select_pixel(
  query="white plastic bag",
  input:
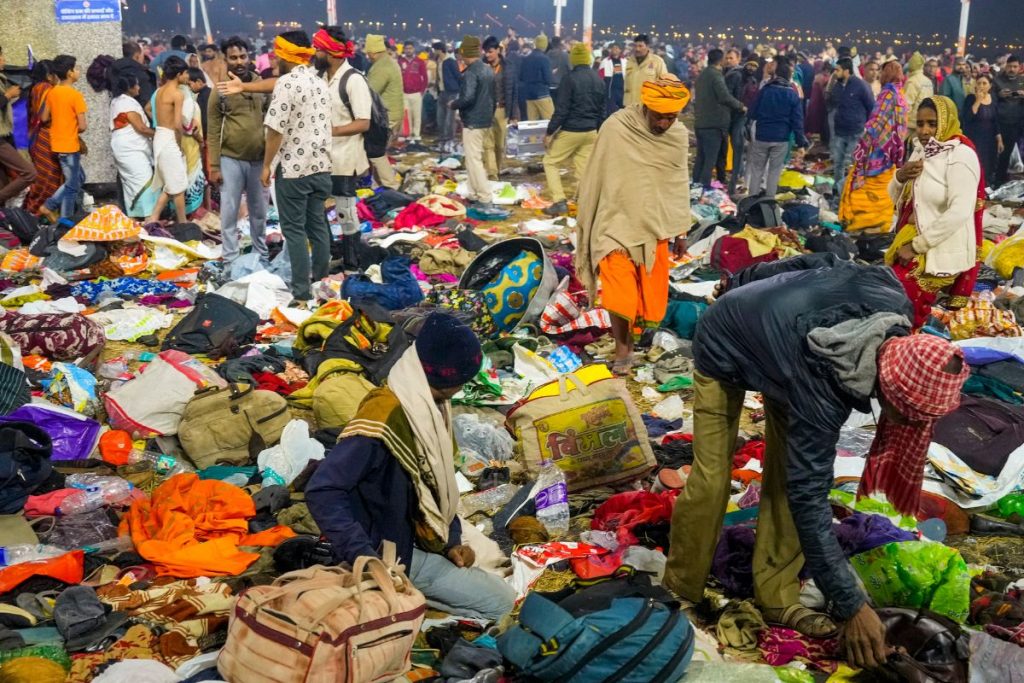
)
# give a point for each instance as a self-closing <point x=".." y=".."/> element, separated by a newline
<point x="280" y="464"/>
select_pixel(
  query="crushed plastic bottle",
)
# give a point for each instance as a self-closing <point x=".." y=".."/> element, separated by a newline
<point x="552" y="499"/>
<point x="95" y="491"/>
<point x="28" y="552"/>
<point x="163" y="465"/>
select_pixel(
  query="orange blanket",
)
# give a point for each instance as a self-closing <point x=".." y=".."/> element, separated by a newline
<point x="192" y="527"/>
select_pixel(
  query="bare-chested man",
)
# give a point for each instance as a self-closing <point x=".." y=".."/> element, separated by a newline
<point x="171" y="173"/>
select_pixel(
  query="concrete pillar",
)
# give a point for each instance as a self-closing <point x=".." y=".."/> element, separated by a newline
<point x="34" y="23"/>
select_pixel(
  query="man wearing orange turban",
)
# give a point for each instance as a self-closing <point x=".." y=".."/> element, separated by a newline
<point x="634" y="199"/>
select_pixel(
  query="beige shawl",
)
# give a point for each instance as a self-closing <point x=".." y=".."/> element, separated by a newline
<point x="634" y="194"/>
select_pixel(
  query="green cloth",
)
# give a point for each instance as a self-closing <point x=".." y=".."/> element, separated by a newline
<point x="681" y="317"/>
<point x="676" y="384"/>
<point x="917" y="574"/>
<point x="980" y="385"/>
<point x="385" y="77"/>
<point x="236" y="126"/>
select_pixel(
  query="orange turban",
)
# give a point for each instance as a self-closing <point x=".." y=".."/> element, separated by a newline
<point x="665" y="96"/>
<point x="290" y="52"/>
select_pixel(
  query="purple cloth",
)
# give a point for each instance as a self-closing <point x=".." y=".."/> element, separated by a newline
<point x="733" y="564"/>
<point x="981" y="355"/>
<point x="859" y="533"/>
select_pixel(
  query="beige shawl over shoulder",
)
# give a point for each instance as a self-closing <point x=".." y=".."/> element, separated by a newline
<point x="634" y="194"/>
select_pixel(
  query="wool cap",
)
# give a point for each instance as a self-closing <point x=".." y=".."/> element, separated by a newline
<point x="580" y="55"/>
<point x="374" y="44"/>
<point x="541" y="42"/>
<point x="448" y="350"/>
<point x="470" y="46"/>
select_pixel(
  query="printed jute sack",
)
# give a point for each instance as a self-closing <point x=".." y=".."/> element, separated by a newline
<point x="587" y="424"/>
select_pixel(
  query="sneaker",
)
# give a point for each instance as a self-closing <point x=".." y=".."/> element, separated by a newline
<point x="557" y="209"/>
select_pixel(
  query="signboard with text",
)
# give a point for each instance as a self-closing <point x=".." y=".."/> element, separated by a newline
<point x="87" y="11"/>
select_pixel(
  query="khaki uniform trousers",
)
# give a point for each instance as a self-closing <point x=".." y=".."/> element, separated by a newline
<point x="413" y="103"/>
<point x="700" y="508"/>
<point x="494" y="144"/>
<point x="540" y="110"/>
<point x="567" y="144"/>
<point x="473" y="149"/>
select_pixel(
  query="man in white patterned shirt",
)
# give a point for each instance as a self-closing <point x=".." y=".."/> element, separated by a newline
<point x="297" y="156"/>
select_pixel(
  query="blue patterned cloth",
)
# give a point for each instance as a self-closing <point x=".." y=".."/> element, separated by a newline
<point x="130" y="287"/>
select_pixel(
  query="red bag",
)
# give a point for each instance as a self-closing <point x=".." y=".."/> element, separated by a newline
<point x="58" y="336"/>
<point x="732" y="254"/>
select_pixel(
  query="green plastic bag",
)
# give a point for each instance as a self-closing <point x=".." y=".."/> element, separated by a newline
<point x="917" y="574"/>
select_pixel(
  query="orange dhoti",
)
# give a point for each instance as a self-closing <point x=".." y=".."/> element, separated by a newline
<point x="630" y="292"/>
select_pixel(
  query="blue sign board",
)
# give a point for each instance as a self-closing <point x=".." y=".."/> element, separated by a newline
<point x="87" y="11"/>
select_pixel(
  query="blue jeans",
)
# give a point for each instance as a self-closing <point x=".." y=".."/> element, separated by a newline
<point x="467" y="592"/>
<point x="242" y="176"/>
<point x="67" y="194"/>
<point x="841" y="147"/>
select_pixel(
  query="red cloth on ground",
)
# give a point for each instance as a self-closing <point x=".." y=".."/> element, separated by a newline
<point x="416" y="215"/>
<point x="271" y="382"/>
<point x="624" y="511"/>
<point x="780" y="646"/>
<point x="751" y="450"/>
<point x="46" y="503"/>
<point x="363" y="212"/>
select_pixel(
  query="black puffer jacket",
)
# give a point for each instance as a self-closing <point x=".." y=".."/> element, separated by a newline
<point x="755" y="337"/>
<point x="476" y="101"/>
<point x="579" y="102"/>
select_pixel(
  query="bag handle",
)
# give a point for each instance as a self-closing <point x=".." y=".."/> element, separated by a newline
<point x="381" y="580"/>
<point x="563" y="385"/>
<point x="351" y="592"/>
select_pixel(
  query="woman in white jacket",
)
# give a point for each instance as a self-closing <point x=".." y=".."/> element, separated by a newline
<point x="939" y="196"/>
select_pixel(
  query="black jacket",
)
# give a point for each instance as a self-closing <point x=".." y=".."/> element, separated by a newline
<point x="579" y="102"/>
<point x="713" y="103"/>
<point x="755" y="337"/>
<point x="129" y="67"/>
<point x="506" y="87"/>
<point x="476" y="96"/>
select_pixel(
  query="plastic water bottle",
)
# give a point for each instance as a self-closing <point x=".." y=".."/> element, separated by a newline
<point x="94" y="492"/>
<point x="164" y="465"/>
<point x="28" y="552"/>
<point x="552" y="499"/>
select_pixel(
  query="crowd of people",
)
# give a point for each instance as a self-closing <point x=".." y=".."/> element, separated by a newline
<point x="913" y="147"/>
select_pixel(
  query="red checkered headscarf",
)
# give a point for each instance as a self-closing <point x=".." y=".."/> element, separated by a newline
<point x="912" y="379"/>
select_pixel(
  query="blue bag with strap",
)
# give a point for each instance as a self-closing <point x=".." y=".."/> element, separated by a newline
<point x="635" y="640"/>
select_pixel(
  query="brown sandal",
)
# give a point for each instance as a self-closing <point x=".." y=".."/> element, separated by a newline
<point x="803" y="619"/>
<point x="622" y="368"/>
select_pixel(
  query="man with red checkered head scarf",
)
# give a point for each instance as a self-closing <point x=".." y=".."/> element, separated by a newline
<point x="818" y="338"/>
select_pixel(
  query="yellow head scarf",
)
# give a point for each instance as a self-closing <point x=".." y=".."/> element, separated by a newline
<point x="665" y="96"/>
<point x="949" y="119"/>
<point x="290" y="52"/>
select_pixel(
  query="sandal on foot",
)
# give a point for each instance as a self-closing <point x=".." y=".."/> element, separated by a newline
<point x="622" y="368"/>
<point x="803" y="619"/>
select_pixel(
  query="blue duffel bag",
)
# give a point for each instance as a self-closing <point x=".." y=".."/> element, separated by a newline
<point x="635" y="640"/>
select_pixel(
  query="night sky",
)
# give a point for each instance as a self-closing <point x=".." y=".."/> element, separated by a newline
<point x="1001" y="19"/>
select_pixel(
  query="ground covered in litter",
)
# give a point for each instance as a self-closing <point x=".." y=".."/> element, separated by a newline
<point x="128" y="540"/>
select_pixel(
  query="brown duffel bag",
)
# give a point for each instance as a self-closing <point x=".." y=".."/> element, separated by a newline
<point x="325" y="625"/>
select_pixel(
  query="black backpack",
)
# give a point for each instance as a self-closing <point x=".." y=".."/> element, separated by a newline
<point x="23" y="224"/>
<point x="24" y="463"/>
<point x="379" y="358"/>
<point x="759" y="212"/>
<point x="375" y="140"/>
<point x="215" y="324"/>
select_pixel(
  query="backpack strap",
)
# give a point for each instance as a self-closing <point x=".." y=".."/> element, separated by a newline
<point x="540" y="621"/>
<point x="343" y="91"/>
